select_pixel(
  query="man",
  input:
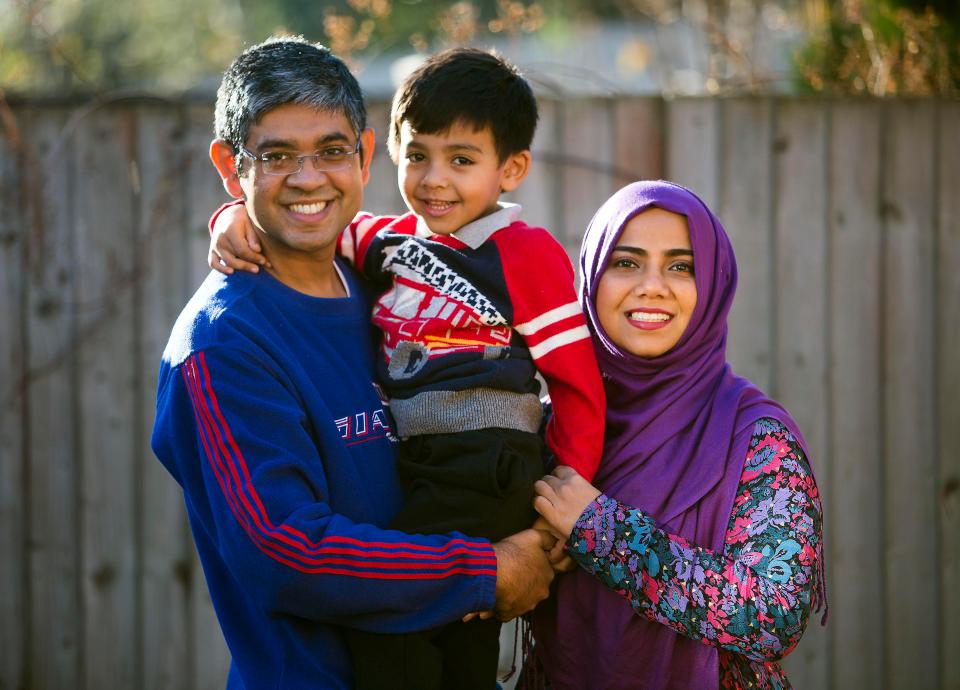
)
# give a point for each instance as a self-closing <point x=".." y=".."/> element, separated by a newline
<point x="268" y="416"/>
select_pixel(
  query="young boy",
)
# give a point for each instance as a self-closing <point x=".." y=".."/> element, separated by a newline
<point x="474" y="302"/>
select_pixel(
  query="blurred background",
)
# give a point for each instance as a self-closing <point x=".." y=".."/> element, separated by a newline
<point x="670" y="47"/>
<point x="824" y="133"/>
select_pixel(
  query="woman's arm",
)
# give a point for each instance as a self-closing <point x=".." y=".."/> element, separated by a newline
<point x="754" y="598"/>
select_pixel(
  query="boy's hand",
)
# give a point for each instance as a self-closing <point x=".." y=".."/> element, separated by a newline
<point x="234" y="243"/>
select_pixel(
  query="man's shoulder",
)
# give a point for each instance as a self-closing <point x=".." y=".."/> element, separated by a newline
<point x="209" y="316"/>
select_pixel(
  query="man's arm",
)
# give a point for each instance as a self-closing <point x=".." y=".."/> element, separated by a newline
<point x="238" y="440"/>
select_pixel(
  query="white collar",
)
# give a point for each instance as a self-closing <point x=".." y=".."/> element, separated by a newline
<point x="476" y="233"/>
<point x="343" y="279"/>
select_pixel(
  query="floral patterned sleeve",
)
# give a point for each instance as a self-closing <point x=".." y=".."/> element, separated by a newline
<point x="754" y="598"/>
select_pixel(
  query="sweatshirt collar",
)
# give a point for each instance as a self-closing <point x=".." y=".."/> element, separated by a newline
<point x="476" y="233"/>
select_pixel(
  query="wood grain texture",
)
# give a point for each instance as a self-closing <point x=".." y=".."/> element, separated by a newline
<point x="13" y="399"/>
<point x="913" y="613"/>
<point x="948" y="388"/>
<point x="693" y="147"/>
<point x="107" y="393"/>
<point x="744" y="208"/>
<point x="53" y="635"/>
<point x="854" y="511"/>
<point x="164" y="551"/>
<point x="803" y="295"/>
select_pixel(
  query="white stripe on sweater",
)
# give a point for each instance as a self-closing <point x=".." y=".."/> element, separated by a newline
<point x="559" y="340"/>
<point x="547" y="318"/>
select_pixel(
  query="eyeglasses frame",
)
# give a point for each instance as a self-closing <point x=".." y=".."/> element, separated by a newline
<point x="317" y="159"/>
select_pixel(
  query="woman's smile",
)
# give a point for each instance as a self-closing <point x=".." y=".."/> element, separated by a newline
<point x="649" y="319"/>
<point x="647" y="293"/>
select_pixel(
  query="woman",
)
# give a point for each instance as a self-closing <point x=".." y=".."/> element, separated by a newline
<point x="700" y="547"/>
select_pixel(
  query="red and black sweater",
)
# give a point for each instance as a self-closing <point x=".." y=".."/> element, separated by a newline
<point x="467" y="320"/>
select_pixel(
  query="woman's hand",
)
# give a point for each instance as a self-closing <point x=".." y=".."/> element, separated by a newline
<point x="562" y="496"/>
<point x="234" y="243"/>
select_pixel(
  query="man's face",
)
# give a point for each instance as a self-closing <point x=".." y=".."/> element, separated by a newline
<point x="303" y="212"/>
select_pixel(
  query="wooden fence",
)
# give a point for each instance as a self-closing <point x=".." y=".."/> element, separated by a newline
<point x="845" y="216"/>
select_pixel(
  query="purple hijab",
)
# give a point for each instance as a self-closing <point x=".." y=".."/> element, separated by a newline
<point x="678" y="426"/>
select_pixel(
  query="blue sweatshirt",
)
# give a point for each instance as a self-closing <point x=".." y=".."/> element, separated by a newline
<point x="269" y="418"/>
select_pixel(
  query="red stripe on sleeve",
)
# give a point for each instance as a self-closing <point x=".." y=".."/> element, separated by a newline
<point x="420" y="561"/>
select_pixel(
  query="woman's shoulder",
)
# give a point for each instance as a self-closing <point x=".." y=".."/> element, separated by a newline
<point x="768" y="426"/>
<point x="768" y="431"/>
<point x="773" y="448"/>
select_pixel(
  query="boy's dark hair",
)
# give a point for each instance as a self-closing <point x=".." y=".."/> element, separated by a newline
<point x="281" y="70"/>
<point x="470" y="86"/>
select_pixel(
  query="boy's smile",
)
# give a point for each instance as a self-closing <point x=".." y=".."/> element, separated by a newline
<point x="454" y="177"/>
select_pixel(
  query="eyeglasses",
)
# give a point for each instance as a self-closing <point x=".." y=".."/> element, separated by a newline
<point x="329" y="159"/>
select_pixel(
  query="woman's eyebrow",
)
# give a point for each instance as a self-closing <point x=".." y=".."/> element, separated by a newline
<point x="640" y="251"/>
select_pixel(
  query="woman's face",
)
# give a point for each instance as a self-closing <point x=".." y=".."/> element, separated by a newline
<point x="647" y="292"/>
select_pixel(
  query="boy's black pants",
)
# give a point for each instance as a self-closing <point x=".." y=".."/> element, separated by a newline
<point x="476" y="482"/>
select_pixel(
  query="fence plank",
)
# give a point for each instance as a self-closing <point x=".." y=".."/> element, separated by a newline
<point x="204" y="195"/>
<point x="13" y="231"/>
<point x="745" y="211"/>
<point x="948" y="376"/>
<point x="801" y="351"/>
<point x="638" y="139"/>
<point x="210" y="659"/>
<point x="587" y="151"/>
<point x="106" y="383"/>
<point x="693" y="147"/>
<point x="910" y="458"/>
<point x="854" y="512"/>
<point x="53" y="637"/>
<point x="162" y="158"/>
<point x="382" y="196"/>
<point x="539" y="194"/>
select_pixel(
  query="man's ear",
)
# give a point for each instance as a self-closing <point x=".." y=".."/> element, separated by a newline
<point x="514" y="170"/>
<point x="225" y="161"/>
<point x="367" y="144"/>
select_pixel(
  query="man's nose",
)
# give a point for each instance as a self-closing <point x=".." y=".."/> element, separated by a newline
<point x="308" y="176"/>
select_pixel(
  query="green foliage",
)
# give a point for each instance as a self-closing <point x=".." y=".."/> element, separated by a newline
<point x="884" y="48"/>
<point x="94" y="45"/>
<point x="63" y="45"/>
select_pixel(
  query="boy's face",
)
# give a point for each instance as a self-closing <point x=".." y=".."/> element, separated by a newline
<point x="452" y="178"/>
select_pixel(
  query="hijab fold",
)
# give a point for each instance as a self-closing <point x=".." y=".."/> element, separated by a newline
<point x="677" y="430"/>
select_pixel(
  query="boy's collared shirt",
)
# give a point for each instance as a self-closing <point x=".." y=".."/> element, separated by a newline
<point x="476" y="233"/>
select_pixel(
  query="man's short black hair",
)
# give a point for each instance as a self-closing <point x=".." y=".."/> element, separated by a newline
<point x="279" y="71"/>
<point x="468" y="86"/>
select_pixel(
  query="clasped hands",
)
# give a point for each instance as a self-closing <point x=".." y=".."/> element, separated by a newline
<point x="528" y="561"/>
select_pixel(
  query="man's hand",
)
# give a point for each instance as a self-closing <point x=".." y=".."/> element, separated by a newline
<point x="561" y="498"/>
<point x="559" y="558"/>
<point x="234" y="243"/>
<point x="524" y="573"/>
